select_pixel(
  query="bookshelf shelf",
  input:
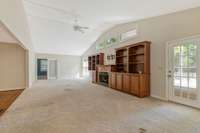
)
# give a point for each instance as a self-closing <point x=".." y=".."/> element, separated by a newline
<point x="138" y="54"/>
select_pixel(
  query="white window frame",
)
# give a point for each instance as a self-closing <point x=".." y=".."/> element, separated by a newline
<point x="126" y="35"/>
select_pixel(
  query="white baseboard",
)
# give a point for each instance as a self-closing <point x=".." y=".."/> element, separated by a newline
<point x="160" y="98"/>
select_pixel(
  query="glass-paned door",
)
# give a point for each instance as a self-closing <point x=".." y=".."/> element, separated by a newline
<point x="183" y="72"/>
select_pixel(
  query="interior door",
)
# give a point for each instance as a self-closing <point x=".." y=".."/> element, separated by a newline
<point x="183" y="71"/>
<point x="52" y="71"/>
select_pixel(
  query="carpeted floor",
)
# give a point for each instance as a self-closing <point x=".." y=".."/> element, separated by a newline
<point x="76" y="106"/>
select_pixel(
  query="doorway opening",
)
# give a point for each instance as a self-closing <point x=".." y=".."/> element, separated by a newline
<point x="46" y="69"/>
<point x="42" y="68"/>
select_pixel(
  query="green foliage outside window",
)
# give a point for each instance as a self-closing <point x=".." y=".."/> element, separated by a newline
<point x="107" y="43"/>
<point x="185" y="57"/>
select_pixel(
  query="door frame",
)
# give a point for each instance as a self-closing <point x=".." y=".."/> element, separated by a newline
<point x="168" y="91"/>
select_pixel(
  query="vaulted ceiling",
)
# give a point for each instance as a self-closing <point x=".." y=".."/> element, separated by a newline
<point x="51" y="21"/>
<point x="6" y="36"/>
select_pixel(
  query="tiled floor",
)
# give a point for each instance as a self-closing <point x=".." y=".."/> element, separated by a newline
<point x="77" y="106"/>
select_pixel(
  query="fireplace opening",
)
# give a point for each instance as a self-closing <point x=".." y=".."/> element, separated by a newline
<point x="103" y="78"/>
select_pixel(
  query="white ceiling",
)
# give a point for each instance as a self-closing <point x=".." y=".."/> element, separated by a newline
<point x="51" y="21"/>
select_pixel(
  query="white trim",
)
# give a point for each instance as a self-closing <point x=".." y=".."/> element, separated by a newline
<point x="160" y="98"/>
<point x="36" y="65"/>
<point x="185" y="102"/>
<point x="166" y="71"/>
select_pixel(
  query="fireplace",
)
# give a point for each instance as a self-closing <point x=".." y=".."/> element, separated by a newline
<point x="103" y="78"/>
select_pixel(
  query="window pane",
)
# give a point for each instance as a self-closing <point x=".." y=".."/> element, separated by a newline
<point x="177" y="72"/>
<point x="43" y="67"/>
<point x="177" y="81"/>
<point x="184" y="82"/>
<point x="185" y="67"/>
<point x="177" y="56"/>
<point x="192" y="70"/>
<point x="193" y="74"/>
<point x="192" y="55"/>
<point x="184" y="56"/>
<point x="184" y="72"/>
<point x="192" y="83"/>
<point x="129" y="34"/>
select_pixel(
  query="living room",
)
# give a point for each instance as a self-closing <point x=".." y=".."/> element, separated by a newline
<point x="89" y="67"/>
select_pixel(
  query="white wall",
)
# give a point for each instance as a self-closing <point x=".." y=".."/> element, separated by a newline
<point x="12" y="15"/>
<point x="5" y="35"/>
<point x="12" y="67"/>
<point x="159" y="30"/>
<point x="31" y="67"/>
<point x="68" y="66"/>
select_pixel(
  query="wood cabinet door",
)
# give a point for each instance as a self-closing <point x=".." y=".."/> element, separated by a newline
<point x="110" y="80"/>
<point x="112" y="83"/>
<point x="126" y="83"/>
<point x="119" y="80"/>
<point x="94" y="77"/>
<point x="144" y="85"/>
<point x="134" y="85"/>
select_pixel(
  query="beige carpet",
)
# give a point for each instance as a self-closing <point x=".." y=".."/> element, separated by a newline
<point x="76" y="106"/>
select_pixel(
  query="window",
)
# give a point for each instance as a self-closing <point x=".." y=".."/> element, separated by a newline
<point x="185" y="67"/>
<point x="128" y="35"/>
<point x="43" y="65"/>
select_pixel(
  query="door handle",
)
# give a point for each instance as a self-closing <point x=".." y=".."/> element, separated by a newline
<point x="169" y="75"/>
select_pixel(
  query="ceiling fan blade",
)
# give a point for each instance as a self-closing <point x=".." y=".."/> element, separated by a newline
<point x="85" y="27"/>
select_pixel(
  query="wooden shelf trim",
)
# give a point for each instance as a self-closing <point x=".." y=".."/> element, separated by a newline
<point x="137" y="54"/>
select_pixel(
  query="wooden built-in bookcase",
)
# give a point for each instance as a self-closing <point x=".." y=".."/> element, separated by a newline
<point x="95" y="60"/>
<point x="133" y="58"/>
<point x="89" y="63"/>
<point x="131" y="74"/>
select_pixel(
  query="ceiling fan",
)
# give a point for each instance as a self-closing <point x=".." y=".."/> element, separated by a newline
<point x="76" y="26"/>
<point x="79" y="28"/>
